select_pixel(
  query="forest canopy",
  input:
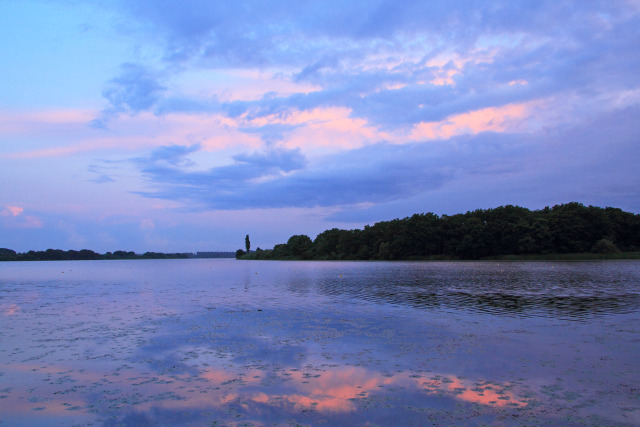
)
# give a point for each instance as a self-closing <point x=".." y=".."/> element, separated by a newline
<point x="570" y="228"/>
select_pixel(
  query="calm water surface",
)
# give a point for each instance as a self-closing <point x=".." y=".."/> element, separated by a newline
<point x="225" y="342"/>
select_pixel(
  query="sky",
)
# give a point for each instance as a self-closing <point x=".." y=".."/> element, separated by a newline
<point x="182" y="126"/>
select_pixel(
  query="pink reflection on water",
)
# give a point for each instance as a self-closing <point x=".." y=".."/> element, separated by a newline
<point x="484" y="393"/>
<point x="10" y="309"/>
<point x="338" y="389"/>
<point x="56" y="390"/>
<point x="335" y="390"/>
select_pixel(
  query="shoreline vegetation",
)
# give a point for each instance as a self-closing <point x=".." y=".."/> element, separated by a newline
<point x="86" y="254"/>
<point x="568" y="232"/>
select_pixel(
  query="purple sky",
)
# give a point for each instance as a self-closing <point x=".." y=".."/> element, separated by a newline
<point x="157" y="125"/>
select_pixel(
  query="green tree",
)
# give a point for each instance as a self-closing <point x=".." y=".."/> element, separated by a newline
<point x="506" y="230"/>
<point x="326" y="243"/>
<point x="384" y="252"/>
<point x="605" y="246"/>
<point x="298" y="245"/>
<point x="247" y="243"/>
<point x="7" y="254"/>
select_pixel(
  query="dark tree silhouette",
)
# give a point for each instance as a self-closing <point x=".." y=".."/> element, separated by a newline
<point x="507" y="230"/>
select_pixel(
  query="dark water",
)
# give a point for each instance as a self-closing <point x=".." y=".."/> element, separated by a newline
<point x="225" y="342"/>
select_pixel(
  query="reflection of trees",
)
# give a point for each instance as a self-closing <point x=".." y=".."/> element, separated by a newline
<point x="572" y="294"/>
<point x="511" y="304"/>
<point x="529" y="305"/>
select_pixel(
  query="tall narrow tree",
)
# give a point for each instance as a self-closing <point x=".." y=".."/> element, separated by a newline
<point x="247" y="243"/>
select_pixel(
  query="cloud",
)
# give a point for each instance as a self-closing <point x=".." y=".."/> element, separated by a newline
<point x="14" y="217"/>
<point x="174" y="155"/>
<point x="103" y="171"/>
<point x="166" y="165"/>
<point x="45" y="122"/>
<point x="136" y="89"/>
<point x="383" y="173"/>
<point x="321" y="129"/>
<point x="282" y="160"/>
<point x="252" y="33"/>
<point x="416" y="72"/>
<point x="282" y="178"/>
<point x="393" y="66"/>
<point x="272" y="132"/>
<point x="486" y="119"/>
<point x="11" y="211"/>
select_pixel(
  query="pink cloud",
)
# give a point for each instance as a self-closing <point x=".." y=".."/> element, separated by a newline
<point x="15" y="218"/>
<point x="447" y="65"/>
<point x="11" y="211"/>
<point x="213" y="131"/>
<point x="495" y="119"/>
<point x="319" y="130"/>
<point x="125" y="133"/>
<point x="46" y="121"/>
<point x="49" y="152"/>
<point x="328" y="129"/>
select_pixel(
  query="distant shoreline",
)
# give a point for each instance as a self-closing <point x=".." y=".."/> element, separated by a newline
<point x="89" y="255"/>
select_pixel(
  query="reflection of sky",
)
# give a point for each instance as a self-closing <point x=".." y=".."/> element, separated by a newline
<point x="195" y="341"/>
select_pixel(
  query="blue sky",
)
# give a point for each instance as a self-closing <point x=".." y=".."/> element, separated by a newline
<point x="157" y="125"/>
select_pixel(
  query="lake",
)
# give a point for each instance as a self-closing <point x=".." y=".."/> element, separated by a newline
<point x="226" y="342"/>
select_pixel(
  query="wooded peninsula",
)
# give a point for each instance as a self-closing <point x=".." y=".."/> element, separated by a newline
<point x="566" y="231"/>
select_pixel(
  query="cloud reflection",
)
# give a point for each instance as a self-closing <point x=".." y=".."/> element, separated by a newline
<point x="331" y="391"/>
<point x="482" y="392"/>
<point x="10" y="309"/>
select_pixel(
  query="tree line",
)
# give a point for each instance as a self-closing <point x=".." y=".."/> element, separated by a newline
<point x="570" y="228"/>
<point x="84" y="254"/>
